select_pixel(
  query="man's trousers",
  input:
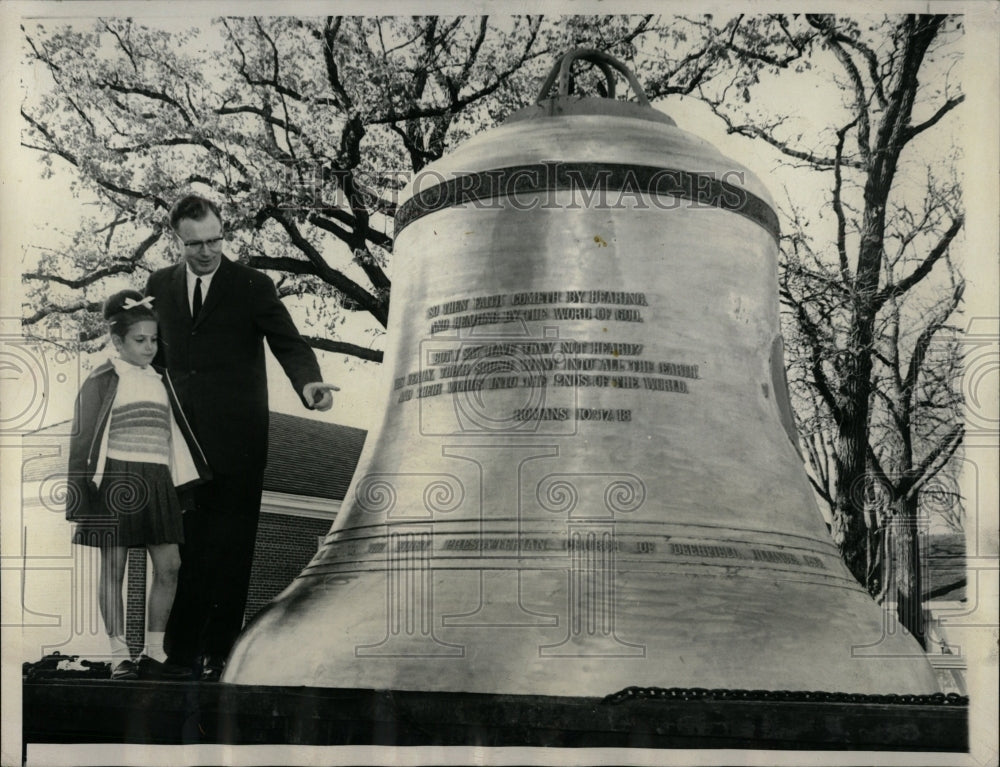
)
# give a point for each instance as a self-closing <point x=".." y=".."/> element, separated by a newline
<point x="216" y="557"/>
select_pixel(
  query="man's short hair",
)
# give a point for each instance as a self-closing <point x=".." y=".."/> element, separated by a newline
<point x="195" y="207"/>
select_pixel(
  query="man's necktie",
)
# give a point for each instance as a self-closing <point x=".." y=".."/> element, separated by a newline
<point x="196" y="304"/>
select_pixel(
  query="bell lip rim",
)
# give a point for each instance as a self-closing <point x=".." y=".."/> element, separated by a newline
<point x="587" y="106"/>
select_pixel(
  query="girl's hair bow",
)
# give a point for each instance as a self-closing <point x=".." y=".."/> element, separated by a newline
<point x="131" y="303"/>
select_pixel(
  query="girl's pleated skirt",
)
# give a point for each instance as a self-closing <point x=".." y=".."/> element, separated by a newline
<point x="137" y="506"/>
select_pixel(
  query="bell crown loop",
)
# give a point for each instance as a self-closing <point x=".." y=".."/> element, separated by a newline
<point x="563" y="103"/>
<point x="605" y="62"/>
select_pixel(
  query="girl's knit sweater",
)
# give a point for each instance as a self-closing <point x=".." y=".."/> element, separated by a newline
<point x="139" y="430"/>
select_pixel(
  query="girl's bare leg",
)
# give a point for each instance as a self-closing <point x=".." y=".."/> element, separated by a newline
<point x="109" y="598"/>
<point x="109" y="589"/>
<point x="166" y="564"/>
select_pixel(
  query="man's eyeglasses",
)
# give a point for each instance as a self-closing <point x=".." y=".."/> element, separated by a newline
<point x="213" y="244"/>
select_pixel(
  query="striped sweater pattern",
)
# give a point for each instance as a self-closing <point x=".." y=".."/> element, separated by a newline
<point x="139" y="430"/>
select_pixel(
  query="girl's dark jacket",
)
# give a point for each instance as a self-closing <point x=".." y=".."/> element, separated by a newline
<point x="88" y="443"/>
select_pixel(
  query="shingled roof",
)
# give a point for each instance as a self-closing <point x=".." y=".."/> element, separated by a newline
<point x="306" y="457"/>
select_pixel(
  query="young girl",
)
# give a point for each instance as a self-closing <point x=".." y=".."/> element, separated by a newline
<point x="131" y="451"/>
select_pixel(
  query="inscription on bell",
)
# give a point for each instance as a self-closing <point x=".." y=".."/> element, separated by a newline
<point x="532" y="366"/>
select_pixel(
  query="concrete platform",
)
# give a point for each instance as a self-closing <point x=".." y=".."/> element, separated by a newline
<point x="99" y="711"/>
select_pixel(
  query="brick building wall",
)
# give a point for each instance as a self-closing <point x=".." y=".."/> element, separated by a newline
<point x="285" y="545"/>
<point x="135" y="600"/>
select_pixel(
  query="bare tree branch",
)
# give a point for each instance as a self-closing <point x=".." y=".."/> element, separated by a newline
<point x="902" y="286"/>
<point x="950" y="104"/>
<point x="752" y="131"/>
<point x="70" y="308"/>
<point x="838" y="206"/>
<point x="73" y="160"/>
<point x="934" y="460"/>
<point x="344" y="347"/>
<point x="919" y="354"/>
<point x="456" y="105"/>
<point x="121" y="44"/>
<point x="122" y="267"/>
<point x="148" y="93"/>
<point x="335" y="277"/>
<point x="822" y="23"/>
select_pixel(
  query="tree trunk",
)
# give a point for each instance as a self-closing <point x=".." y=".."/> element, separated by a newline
<point x="849" y="528"/>
<point x="907" y="580"/>
<point x="851" y="534"/>
<point x="875" y="581"/>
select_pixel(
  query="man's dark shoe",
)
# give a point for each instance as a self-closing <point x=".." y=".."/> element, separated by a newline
<point x="127" y="669"/>
<point x="150" y="668"/>
<point x="211" y="671"/>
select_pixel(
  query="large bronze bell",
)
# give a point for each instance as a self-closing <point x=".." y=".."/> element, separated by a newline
<point x="586" y="475"/>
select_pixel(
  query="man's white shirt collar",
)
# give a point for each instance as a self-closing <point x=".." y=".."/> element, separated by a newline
<point x="206" y="281"/>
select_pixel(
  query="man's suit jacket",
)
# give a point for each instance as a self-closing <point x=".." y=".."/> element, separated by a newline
<point x="217" y="363"/>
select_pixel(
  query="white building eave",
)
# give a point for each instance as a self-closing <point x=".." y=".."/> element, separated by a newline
<point x="291" y="505"/>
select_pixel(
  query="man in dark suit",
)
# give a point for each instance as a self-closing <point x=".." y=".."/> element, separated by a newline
<point x="214" y="316"/>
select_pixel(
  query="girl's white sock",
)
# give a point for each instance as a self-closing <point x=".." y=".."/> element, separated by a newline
<point x="154" y="646"/>
<point x="119" y="649"/>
